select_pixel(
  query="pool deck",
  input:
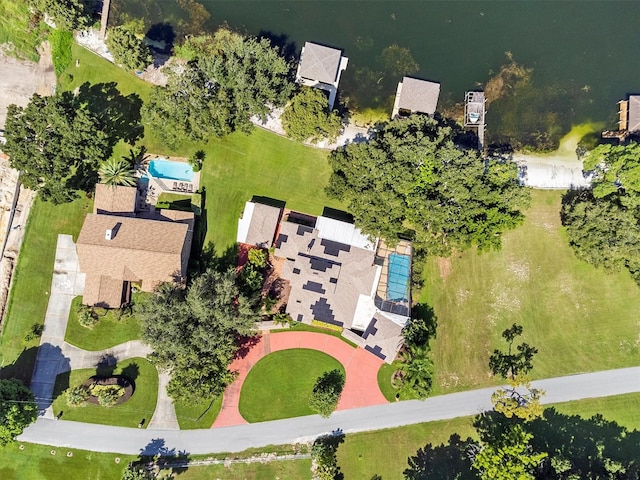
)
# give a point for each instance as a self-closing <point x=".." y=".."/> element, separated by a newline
<point x="158" y="185"/>
<point x="403" y="248"/>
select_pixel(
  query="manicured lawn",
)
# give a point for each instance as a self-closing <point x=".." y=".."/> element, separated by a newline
<point x="622" y="409"/>
<point x="384" y="382"/>
<point x="108" y="332"/>
<point x="14" y="28"/>
<point x="279" y="385"/>
<point x="199" y="415"/>
<point x="580" y="318"/>
<point x="95" y="69"/>
<point x="141" y="405"/>
<point x="174" y="201"/>
<point x="32" y="280"/>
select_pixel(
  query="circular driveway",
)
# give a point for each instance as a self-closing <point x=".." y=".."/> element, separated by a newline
<point x="361" y="368"/>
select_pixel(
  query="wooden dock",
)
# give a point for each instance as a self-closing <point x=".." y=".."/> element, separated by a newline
<point x="104" y="18"/>
<point x="624" y="115"/>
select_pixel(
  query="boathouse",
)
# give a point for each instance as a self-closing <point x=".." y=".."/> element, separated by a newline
<point x="321" y="67"/>
<point x="415" y="96"/>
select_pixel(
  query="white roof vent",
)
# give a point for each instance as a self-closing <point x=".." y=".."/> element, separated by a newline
<point x="108" y="234"/>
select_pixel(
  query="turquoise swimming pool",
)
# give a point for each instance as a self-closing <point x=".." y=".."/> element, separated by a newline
<point x="399" y="273"/>
<point x="171" y="170"/>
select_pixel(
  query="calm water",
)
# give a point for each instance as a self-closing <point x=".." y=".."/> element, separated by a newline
<point x="585" y="55"/>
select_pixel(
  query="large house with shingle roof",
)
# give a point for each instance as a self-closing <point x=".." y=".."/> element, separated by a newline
<point x="117" y="248"/>
<point x="416" y="96"/>
<point x="321" y="67"/>
<point x="335" y="275"/>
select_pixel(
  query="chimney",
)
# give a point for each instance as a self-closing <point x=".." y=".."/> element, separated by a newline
<point x="108" y="234"/>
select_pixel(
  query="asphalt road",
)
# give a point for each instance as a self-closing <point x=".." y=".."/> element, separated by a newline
<point x="102" y="438"/>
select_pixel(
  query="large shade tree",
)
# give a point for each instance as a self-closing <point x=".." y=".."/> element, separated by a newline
<point x="128" y="49"/>
<point x="226" y="82"/>
<point x="193" y="332"/>
<point x="603" y="224"/>
<point x="17" y="409"/>
<point x="308" y="118"/>
<point x="414" y="176"/>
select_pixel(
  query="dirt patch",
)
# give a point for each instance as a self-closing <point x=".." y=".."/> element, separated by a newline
<point x="444" y="266"/>
<point x="21" y="78"/>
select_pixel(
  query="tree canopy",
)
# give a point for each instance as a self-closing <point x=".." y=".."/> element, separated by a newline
<point x="58" y="142"/>
<point x="193" y="332"/>
<point x="412" y="175"/>
<point x="307" y="117"/>
<point x="512" y="363"/>
<point x="603" y="223"/>
<point x="17" y="409"/>
<point x="128" y="49"/>
<point x="67" y="14"/>
<point x="220" y="89"/>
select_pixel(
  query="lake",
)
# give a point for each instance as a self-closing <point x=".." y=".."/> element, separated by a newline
<point x="585" y="55"/>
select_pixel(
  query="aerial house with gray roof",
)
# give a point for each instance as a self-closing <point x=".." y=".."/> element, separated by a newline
<point x="337" y="275"/>
<point x="415" y="96"/>
<point x="321" y="67"/>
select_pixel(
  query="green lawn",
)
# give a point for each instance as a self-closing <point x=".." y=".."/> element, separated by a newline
<point x="384" y="382"/>
<point x="108" y="332"/>
<point x="32" y="280"/>
<point x="303" y="327"/>
<point x="200" y="415"/>
<point x="141" y="405"/>
<point x="286" y="469"/>
<point x="279" y="385"/>
<point x="174" y="201"/>
<point x="580" y="318"/>
<point x="622" y="409"/>
<point x="14" y="28"/>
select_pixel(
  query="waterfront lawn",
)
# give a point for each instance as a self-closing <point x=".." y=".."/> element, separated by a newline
<point x="141" y="404"/>
<point x="199" y="415"/>
<point x="280" y="385"/>
<point x="580" y="318"/>
<point x="108" y="332"/>
<point x="32" y="280"/>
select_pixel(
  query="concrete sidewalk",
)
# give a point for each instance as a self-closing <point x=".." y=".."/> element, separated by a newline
<point x="67" y="283"/>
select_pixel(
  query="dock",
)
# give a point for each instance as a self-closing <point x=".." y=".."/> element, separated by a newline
<point x="474" y="114"/>
<point x="623" y="113"/>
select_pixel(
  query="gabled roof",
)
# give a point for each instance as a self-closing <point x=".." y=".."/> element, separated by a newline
<point x="319" y="63"/>
<point x="634" y="113"/>
<point x="419" y="95"/>
<point x="139" y="249"/>
<point x="258" y="224"/>
<point x="115" y="200"/>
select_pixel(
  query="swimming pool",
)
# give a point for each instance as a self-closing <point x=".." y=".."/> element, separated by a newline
<point x="399" y="273"/>
<point x="171" y="170"/>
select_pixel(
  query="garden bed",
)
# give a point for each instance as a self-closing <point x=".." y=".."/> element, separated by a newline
<point x="119" y="380"/>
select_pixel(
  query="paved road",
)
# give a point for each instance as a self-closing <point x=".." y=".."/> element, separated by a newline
<point x="121" y="440"/>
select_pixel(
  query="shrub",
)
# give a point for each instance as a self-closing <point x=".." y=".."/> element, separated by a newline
<point x="78" y="395"/>
<point x="328" y="326"/>
<point x="257" y="257"/>
<point x="107" y="395"/>
<point x="196" y="160"/>
<point x="326" y="392"/>
<point x="283" y="318"/>
<point x="87" y="316"/>
<point x="251" y="278"/>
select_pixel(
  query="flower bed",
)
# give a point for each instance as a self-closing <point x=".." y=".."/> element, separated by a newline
<point x="117" y="387"/>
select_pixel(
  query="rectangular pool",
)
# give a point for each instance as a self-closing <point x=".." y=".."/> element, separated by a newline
<point x="398" y="280"/>
<point x="171" y="170"/>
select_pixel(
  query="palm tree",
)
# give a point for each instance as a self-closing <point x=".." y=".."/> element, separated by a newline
<point x="417" y="371"/>
<point x="117" y="172"/>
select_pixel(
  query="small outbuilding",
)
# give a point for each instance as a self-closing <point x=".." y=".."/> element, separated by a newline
<point x="416" y="96"/>
<point x="321" y="67"/>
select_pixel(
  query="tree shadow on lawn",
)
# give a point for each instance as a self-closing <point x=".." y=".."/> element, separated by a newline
<point x="156" y="455"/>
<point x="131" y="372"/>
<point x="22" y="368"/>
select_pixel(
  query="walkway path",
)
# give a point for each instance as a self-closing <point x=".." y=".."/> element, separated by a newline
<point x="66" y="284"/>
<point x="102" y="438"/>
<point x="361" y="368"/>
<point x="56" y="356"/>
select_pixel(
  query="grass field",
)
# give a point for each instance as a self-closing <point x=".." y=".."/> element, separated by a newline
<point x="199" y="415"/>
<point x="15" y="28"/>
<point x="279" y="385"/>
<point x="108" y="332"/>
<point x="580" y="318"/>
<point x="32" y="278"/>
<point x="141" y="404"/>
